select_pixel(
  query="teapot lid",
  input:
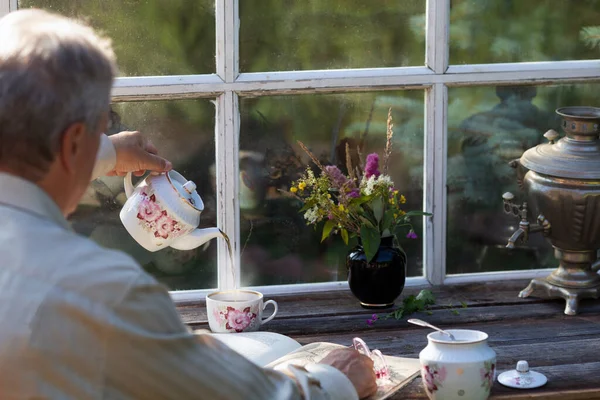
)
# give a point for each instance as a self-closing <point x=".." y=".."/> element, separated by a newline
<point x="186" y="189"/>
<point x="576" y="155"/>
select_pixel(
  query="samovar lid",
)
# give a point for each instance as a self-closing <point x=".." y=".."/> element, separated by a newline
<point x="576" y="155"/>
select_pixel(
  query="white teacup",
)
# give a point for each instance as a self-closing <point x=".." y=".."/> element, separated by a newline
<point x="237" y="311"/>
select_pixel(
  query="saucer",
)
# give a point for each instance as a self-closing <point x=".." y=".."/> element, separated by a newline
<point x="522" y="377"/>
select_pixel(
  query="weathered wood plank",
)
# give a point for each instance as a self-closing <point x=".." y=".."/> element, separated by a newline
<point x="332" y="323"/>
<point x="409" y="341"/>
<point x="344" y="303"/>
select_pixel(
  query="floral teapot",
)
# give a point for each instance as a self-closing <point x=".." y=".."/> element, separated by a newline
<point x="164" y="210"/>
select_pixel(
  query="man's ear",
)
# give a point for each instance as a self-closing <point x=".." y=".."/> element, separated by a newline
<point x="72" y="145"/>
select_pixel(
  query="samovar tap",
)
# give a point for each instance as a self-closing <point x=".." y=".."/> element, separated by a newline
<point x="521" y="235"/>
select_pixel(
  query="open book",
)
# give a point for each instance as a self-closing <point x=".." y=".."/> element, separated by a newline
<point x="268" y="349"/>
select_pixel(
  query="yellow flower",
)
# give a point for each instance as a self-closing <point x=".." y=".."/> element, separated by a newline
<point x="328" y="196"/>
<point x="395" y="192"/>
<point x="293" y="189"/>
<point x="341" y="207"/>
<point x="402" y="199"/>
<point x="395" y="215"/>
<point x="401" y="212"/>
<point x="392" y="201"/>
<point x="301" y="185"/>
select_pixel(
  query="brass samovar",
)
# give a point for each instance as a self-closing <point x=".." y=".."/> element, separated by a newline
<point x="562" y="185"/>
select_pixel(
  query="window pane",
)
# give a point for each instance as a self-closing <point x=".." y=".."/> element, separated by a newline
<point x="488" y="127"/>
<point x="500" y="31"/>
<point x="277" y="245"/>
<point x="183" y="131"/>
<point x="316" y="34"/>
<point x="150" y="37"/>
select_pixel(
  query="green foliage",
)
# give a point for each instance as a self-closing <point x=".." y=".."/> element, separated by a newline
<point x="412" y="304"/>
<point x="590" y="35"/>
<point x="371" y="238"/>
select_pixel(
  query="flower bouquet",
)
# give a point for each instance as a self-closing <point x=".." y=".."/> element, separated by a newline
<point x="363" y="202"/>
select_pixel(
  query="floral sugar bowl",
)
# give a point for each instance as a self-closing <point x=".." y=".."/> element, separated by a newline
<point x="463" y="368"/>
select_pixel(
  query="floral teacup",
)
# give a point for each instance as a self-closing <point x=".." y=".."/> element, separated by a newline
<point x="237" y="311"/>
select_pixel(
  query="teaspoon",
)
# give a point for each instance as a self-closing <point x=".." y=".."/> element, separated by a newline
<point x="428" y="325"/>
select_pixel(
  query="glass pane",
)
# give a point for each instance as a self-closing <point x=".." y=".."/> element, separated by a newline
<point x="501" y="31"/>
<point x="315" y="34"/>
<point x="183" y="131"/>
<point x="150" y="37"/>
<point x="278" y="247"/>
<point x="488" y="127"/>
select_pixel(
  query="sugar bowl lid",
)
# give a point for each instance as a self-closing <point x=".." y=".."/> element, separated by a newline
<point x="522" y="377"/>
<point x="576" y="155"/>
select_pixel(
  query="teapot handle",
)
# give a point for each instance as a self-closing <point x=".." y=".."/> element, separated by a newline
<point x="128" y="183"/>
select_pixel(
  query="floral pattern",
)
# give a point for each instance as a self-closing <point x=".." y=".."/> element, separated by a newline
<point x="237" y="320"/>
<point x="156" y="220"/>
<point x="488" y="373"/>
<point x="433" y="376"/>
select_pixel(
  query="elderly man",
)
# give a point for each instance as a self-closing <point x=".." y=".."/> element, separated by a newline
<point x="80" y="321"/>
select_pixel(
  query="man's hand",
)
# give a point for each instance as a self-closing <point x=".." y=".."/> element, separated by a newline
<point x="357" y="367"/>
<point x="136" y="154"/>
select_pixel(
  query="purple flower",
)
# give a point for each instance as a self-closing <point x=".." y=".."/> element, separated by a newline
<point x="330" y="216"/>
<point x="372" y="166"/>
<point x="411" y="234"/>
<point x="371" y="320"/>
<point x="337" y="178"/>
<point x="354" y="193"/>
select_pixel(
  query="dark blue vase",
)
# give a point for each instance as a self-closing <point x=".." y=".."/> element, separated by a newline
<point x="379" y="283"/>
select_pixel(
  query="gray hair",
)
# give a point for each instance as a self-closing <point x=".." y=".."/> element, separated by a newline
<point x="53" y="72"/>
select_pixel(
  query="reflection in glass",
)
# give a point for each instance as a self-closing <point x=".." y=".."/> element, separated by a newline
<point x="488" y="127"/>
<point x="277" y="247"/>
<point x="316" y="34"/>
<point x="150" y="37"/>
<point x="500" y="31"/>
<point x="183" y="131"/>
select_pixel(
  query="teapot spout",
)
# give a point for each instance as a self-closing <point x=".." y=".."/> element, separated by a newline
<point x="196" y="238"/>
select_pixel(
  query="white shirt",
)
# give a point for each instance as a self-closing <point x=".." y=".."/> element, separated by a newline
<point x="82" y="322"/>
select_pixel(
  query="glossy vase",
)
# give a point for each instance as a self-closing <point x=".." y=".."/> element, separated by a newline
<point x="377" y="284"/>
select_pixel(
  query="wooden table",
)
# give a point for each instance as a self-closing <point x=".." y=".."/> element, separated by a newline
<point x="564" y="348"/>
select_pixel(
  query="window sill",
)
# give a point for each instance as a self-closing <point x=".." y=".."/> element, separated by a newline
<point x="562" y="347"/>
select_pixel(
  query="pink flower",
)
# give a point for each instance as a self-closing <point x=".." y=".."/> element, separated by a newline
<point x="148" y="209"/>
<point x="239" y="319"/>
<point x="441" y="374"/>
<point x="164" y="226"/>
<point x="372" y="166"/>
<point x="429" y="379"/>
<point x="411" y="234"/>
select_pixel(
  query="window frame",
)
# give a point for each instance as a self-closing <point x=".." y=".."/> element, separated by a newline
<point x="227" y="85"/>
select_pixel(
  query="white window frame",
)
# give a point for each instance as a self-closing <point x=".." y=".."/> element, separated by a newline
<point x="435" y="77"/>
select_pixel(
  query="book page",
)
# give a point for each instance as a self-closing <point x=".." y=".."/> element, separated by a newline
<point x="259" y="347"/>
<point x="401" y="370"/>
